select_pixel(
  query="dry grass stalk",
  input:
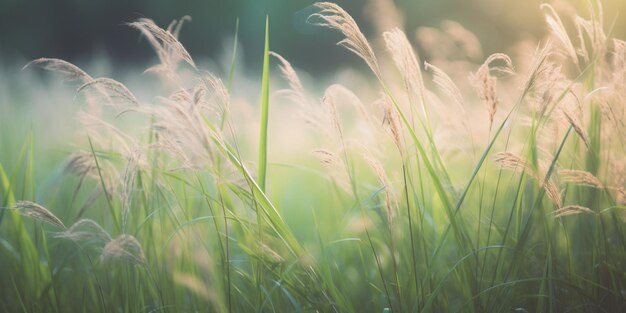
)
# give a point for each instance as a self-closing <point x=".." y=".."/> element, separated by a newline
<point x="104" y="134"/>
<point x="124" y="247"/>
<point x="485" y="83"/>
<point x="38" y="212"/>
<point x="553" y="192"/>
<point x="579" y="177"/>
<point x="181" y="95"/>
<point x="70" y="71"/>
<point x="164" y="42"/>
<point x="328" y="158"/>
<point x="335" y="167"/>
<point x="558" y="30"/>
<point x="618" y="62"/>
<point x="183" y="129"/>
<point x="540" y="73"/>
<point x="391" y="116"/>
<point x="379" y="171"/>
<point x="111" y="89"/>
<point x="333" y="16"/>
<point x="329" y="101"/>
<point x="592" y="31"/>
<point x="515" y="163"/>
<point x="85" y="230"/>
<point x="81" y="164"/>
<point x="577" y="125"/>
<point x="176" y="25"/>
<point x="296" y="91"/>
<point x="611" y="112"/>
<point x="405" y="60"/>
<point x="572" y="210"/>
<point x="128" y="183"/>
<point x="446" y="85"/>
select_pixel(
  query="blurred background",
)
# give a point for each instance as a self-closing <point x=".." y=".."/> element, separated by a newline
<point x="83" y="30"/>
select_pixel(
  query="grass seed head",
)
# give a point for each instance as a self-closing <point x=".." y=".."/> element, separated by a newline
<point x="85" y="230"/>
<point x="38" y="212"/>
<point x="579" y="177"/>
<point x="125" y="247"/>
<point x="69" y="71"/>
<point x="572" y="210"/>
<point x="333" y="16"/>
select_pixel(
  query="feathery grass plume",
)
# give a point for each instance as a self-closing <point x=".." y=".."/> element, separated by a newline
<point x="80" y="164"/>
<point x="513" y="162"/>
<point x="335" y="167"/>
<point x="220" y="97"/>
<point x="341" y="94"/>
<point x="124" y="247"/>
<point x="199" y="95"/>
<point x="183" y="125"/>
<point x="36" y="211"/>
<point x="333" y="16"/>
<point x="112" y="90"/>
<point x="106" y="135"/>
<point x="618" y="62"/>
<point x="405" y="60"/>
<point x="465" y="39"/>
<point x="128" y="183"/>
<point x="591" y="31"/>
<point x="330" y="103"/>
<point x="579" y="177"/>
<point x="70" y="71"/>
<point x="164" y="42"/>
<point x="572" y="210"/>
<point x="558" y="30"/>
<point x="553" y="192"/>
<point x="295" y="92"/>
<point x="165" y="144"/>
<point x="485" y="83"/>
<point x="545" y="81"/>
<point x="176" y="25"/>
<point x="312" y="114"/>
<point x="181" y="95"/>
<point x="609" y="100"/>
<point x="391" y="116"/>
<point x="446" y="85"/>
<point x="379" y="171"/>
<point x="216" y="87"/>
<point x="85" y="230"/>
<point x="577" y="125"/>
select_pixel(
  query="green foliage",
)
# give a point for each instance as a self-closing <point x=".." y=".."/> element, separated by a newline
<point x="170" y="218"/>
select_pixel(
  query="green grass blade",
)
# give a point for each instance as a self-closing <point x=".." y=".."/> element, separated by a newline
<point x="231" y="72"/>
<point x="265" y="95"/>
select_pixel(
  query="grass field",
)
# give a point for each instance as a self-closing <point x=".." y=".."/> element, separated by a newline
<point x="466" y="183"/>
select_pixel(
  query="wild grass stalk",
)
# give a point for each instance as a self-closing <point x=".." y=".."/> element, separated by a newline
<point x="521" y="211"/>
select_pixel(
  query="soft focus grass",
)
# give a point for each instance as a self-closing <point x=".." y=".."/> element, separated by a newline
<point x="413" y="207"/>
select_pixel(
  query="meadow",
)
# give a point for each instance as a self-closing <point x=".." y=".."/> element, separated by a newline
<point x="463" y="183"/>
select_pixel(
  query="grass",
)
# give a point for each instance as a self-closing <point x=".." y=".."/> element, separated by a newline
<point x="504" y="193"/>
